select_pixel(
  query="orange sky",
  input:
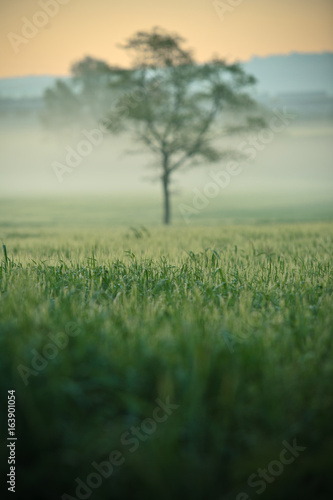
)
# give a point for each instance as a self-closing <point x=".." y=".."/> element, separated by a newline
<point x="94" y="27"/>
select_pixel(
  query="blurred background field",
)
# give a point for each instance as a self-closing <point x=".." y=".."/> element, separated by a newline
<point x="107" y="212"/>
<point x="38" y="228"/>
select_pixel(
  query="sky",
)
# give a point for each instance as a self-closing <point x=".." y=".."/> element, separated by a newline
<point x="40" y="37"/>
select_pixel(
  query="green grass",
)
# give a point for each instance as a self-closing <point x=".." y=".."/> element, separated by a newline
<point x="233" y="323"/>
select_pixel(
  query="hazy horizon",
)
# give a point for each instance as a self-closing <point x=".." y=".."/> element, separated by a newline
<point x="252" y="58"/>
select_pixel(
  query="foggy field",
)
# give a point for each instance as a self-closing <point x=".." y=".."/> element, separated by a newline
<point x="104" y="326"/>
<point x="297" y="160"/>
<point x="22" y="215"/>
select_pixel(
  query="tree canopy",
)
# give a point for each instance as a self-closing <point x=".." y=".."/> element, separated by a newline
<point x="175" y="108"/>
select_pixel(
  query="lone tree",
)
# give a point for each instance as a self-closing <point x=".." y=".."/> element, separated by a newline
<point x="174" y="106"/>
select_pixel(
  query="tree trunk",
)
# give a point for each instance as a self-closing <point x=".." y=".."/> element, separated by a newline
<point x="166" y="199"/>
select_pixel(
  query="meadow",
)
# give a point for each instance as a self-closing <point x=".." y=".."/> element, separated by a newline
<point x="191" y="362"/>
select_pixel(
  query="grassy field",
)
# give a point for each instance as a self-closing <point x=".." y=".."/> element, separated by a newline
<point x="152" y="363"/>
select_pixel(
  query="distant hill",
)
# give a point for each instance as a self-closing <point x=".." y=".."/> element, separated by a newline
<point x="26" y="86"/>
<point x="278" y="74"/>
<point x="295" y="72"/>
